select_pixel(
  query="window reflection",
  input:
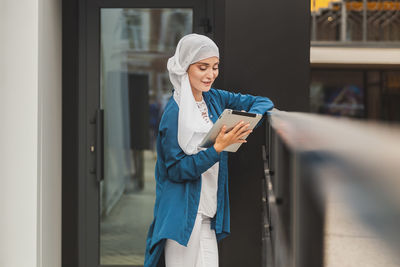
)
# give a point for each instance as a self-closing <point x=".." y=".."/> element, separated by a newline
<point x="339" y="93"/>
<point x="371" y="94"/>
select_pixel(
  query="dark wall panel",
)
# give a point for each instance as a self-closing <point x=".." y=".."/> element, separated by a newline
<point x="264" y="51"/>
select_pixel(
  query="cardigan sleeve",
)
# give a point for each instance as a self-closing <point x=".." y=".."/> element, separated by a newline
<point x="180" y="166"/>
<point x="247" y="102"/>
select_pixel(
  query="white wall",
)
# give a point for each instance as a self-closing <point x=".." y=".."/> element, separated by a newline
<point x="30" y="133"/>
<point x="354" y="55"/>
<point x="49" y="134"/>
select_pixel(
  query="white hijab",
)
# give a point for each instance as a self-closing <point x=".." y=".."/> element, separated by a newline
<point x="190" y="49"/>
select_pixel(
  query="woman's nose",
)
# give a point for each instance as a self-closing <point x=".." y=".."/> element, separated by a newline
<point x="210" y="74"/>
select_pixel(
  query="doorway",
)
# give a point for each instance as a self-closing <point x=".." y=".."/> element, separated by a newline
<point x="123" y="86"/>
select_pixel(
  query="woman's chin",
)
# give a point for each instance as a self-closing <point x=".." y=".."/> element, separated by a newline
<point x="206" y="88"/>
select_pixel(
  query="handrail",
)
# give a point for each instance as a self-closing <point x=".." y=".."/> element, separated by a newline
<point x="310" y="154"/>
<point x="371" y="146"/>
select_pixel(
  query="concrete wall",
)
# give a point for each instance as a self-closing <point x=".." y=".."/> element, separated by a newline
<point x="30" y="136"/>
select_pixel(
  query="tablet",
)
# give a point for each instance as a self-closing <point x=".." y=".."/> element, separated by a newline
<point x="230" y="118"/>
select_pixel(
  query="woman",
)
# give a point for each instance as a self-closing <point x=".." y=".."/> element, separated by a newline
<point x="191" y="212"/>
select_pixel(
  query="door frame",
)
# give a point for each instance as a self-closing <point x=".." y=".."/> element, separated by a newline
<point x="81" y="94"/>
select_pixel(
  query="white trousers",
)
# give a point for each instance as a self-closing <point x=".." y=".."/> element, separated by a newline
<point x="201" y="250"/>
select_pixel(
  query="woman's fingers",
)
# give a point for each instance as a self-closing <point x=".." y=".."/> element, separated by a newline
<point x="244" y="134"/>
<point x="235" y="135"/>
<point x="237" y="127"/>
<point x="242" y="129"/>
<point x="223" y="130"/>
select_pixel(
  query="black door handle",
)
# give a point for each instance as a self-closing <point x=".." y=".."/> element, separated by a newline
<point x="100" y="145"/>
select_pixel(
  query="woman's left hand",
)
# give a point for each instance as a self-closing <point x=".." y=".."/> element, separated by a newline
<point x="232" y="137"/>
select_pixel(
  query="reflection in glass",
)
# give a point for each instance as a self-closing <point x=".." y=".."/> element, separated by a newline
<point x="339" y="93"/>
<point x="135" y="46"/>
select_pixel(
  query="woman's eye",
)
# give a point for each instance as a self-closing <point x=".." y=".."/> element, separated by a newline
<point x="205" y="68"/>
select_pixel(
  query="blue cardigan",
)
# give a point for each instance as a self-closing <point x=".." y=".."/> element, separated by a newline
<point x="178" y="175"/>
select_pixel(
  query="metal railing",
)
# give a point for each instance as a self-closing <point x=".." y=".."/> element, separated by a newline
<point x="366" y="22"/>
<point x="313" y="160"/>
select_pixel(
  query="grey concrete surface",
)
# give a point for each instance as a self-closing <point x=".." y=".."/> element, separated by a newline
<point x="351" y="243"/>
<point x="124" y="230"/>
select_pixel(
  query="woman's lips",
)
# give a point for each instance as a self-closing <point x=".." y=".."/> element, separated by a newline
<point x="207" y="83"/>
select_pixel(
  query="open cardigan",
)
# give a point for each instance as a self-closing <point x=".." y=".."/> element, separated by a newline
<point x="177" y="175"/>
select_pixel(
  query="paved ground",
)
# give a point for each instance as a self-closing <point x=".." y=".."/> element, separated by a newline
<point x="124" y="231"/>
<point x="350" y="243"/>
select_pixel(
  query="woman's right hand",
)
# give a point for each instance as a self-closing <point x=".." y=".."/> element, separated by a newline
<point x="233" y="136"/>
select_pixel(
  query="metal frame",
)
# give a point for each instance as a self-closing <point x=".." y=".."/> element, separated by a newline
<point x="92" y="103"/>
<point x="70" y="140"/>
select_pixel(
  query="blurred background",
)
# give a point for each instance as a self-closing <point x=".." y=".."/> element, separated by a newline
<point x="353" y="68"/>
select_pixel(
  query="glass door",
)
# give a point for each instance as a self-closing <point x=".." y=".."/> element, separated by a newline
<point x="128" y="44"/>
<point x="135" y="46"/>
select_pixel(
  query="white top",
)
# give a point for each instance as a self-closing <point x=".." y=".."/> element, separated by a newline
<point x="209" y="179"/>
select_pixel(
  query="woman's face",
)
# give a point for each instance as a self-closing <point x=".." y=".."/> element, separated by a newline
<point x="203" y="73"/>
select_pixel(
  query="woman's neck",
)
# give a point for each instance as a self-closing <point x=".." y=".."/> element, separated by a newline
<point x="198" y="95"/>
